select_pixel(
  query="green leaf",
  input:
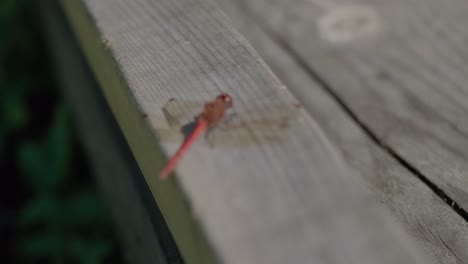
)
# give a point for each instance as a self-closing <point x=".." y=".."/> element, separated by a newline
<point x="43" y="210"/>
<point x="32" y="163"/>
<point x="13" y="110"/>
<point x="87" y="210"/>
<point x="15" y="113"/>
<point x="58" y="146"/>
<point x="90" y="252"/>
<point x="43" y="245"/>
<point x="46" y="165"/>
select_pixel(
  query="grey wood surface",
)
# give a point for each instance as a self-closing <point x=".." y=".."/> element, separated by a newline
<point x="138" y="221"/>
<point x="399" y="66"/>
<point x="288" y="201"/>
<point x="439" y="230"/>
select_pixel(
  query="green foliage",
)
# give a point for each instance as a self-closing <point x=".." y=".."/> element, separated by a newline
<point x="45" y="165"/>
<point x="63" y="220"/>
<point x="13" y="111"/>
<point x="40" y="211"/>
<point x="44" y="246"/>
<point x="87" y="210"/>
<point x="90" y="253"/>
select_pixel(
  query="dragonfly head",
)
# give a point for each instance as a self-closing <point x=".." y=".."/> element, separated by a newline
<point x="226" y="99"/>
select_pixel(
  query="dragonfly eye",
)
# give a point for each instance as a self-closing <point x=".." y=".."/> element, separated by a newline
<point x="226" y="98"/>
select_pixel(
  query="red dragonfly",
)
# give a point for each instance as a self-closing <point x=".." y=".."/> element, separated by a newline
<point x="212" y="114"/>
<point x="216" y="113"/>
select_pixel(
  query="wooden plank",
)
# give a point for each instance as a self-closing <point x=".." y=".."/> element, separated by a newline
<point x="439" y="230"/>
<point x="291" y="200"/>
<point x="401" y="72"/>
<point x="138" y="220"/>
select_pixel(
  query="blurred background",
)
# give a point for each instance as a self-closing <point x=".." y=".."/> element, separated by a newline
<point x="50" y="208"/>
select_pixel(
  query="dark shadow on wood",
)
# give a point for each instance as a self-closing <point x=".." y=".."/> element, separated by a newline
<point x="160" y="229"/>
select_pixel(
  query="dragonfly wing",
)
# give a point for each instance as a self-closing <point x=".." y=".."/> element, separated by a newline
<point x="181" y="112"/>
<point x="261" y="123"/>
<point x="267" y="116"/>
<point x="255" y="125"/>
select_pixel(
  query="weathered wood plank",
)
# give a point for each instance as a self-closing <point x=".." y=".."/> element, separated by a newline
<point x="399" y="68"/>
<point x="138" y="220"/>
<point x="288" y="201"/>
<point x="439" y="230"/>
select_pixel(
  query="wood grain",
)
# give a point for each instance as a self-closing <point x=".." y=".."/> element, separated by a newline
<point x="439" y="230"/>
<point x="286" y="202"/>
<point x="405" y="81"/>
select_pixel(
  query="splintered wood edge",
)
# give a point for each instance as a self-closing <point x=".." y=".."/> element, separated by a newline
<point x="169" y="196"/>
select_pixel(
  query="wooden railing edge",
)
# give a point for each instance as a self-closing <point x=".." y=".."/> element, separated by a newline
<point x="170" y="195"/>
<point x="142" y="232"/>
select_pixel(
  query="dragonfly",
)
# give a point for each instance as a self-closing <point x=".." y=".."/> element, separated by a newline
<point x="218" y="116"/>
<point x="212" y="114"/>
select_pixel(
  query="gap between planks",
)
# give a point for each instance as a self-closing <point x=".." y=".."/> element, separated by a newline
<point x="438" y="229"/>
<point x="249" y="247"/>
<point x="340" y="102"/>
